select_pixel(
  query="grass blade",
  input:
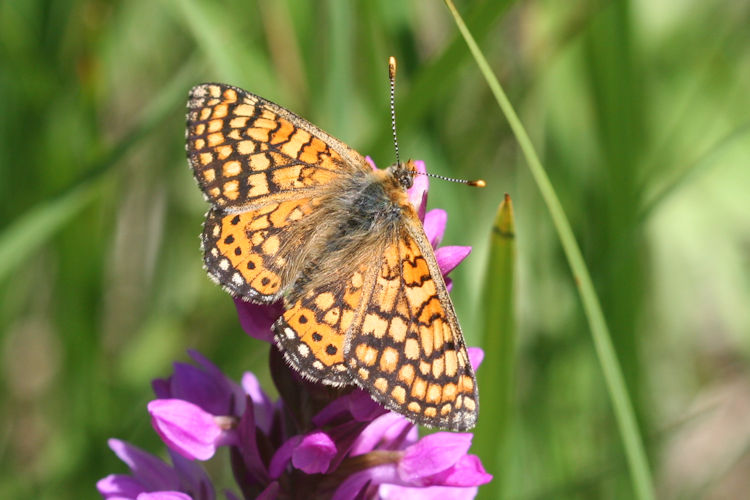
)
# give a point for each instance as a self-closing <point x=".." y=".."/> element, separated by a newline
<point x="623" y="408"/>
<point x="496" y="376"/>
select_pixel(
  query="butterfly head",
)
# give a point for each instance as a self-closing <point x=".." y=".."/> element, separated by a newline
<point x="404" y="173"/>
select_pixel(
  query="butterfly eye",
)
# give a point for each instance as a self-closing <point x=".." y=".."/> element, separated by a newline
<point x="404" y="173"/>
<point x="406" y="177"/>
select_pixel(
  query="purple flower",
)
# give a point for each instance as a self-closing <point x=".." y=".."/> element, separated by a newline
<point x="325" y="442"/>
<point x="187" y="428"/>
<point x="152" y="478"/>
<point x="348" y="448"/>
<point x="437" y="462"/>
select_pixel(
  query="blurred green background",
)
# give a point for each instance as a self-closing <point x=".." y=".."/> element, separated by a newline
<point x="640" y="112"/>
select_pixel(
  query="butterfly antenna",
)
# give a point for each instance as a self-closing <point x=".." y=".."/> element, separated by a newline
<point x="392" y="79"/>
<point x="475" y="183"/>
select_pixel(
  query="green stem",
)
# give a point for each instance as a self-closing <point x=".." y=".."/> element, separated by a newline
<point x="623" y="409"/>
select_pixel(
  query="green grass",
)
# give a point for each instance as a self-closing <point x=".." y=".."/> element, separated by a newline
<point x="637" y="111"/>
<point x="497" y="375"/>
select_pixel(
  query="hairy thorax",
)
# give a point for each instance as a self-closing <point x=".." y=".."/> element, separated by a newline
<point x="356" y="219"/>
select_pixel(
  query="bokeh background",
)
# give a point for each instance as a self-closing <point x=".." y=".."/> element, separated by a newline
<point x="640" y="112"/>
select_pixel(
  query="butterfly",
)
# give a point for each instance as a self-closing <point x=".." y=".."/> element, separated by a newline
<point x="297" y="215"/>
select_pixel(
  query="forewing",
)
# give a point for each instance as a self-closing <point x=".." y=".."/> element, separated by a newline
<point x="312" y="331"/>
<point x="246" y="151"/>
<point x="243" y="251"/>
<point x="408" y="351"/>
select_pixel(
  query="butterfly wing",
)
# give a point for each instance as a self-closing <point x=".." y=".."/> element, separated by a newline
<point x="243" y="251"/>
<point x="246" y="151"/>
<point x="263" y="168"/>
<point x="408" y="350"/>
<point x="390" y="327"/>
<point x="312" y="331"/>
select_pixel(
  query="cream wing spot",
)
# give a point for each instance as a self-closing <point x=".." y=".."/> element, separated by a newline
<point x="399" y="394"/>
<point x="324" y="301"/>
<point x="231" y="168"/>
<point x="244" y="110"/>
<point x="411" y="349"/>
<point x="469" y="404"/>
<point x="381" y="384"/>
<point x="246" y="147"/>
<point x="239" y="122"/>
<point x="451" y="363"/>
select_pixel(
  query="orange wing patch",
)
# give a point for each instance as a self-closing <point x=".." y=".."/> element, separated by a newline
<point x="409" y="353"/>
<point x="312" y="332"/>
<point x="241" y="251"/>
<point x="246" y="151"/>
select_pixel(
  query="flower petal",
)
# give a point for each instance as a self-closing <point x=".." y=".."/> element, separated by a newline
<point x="117" y="486"/>
<point x="387" y="432"/>
<point x="314" y="454"/>
<point x="164" y="495"/>
<point x="394" y="492"/>
<point x="434" y="225"/>
<point x="147" y="469"/>
<point x="191" y="384"/>
<point x="256" y="319"/>
<point x="352" y="486"/>
<point x="194" y="477"/>
<point x="262" y="405"/>
<point x="449" y="257"/>
<point x="432" y="454"/>
<point x="417" y="193"/>
<point x="282" y="457"/>
<point x="231" y="390"/>
<point x="185" y="427"/>
<point x="476" y="356"/>
<point x="468" y="471"/>
<point x="357" y="405"/>
<point x="247" y="435"/>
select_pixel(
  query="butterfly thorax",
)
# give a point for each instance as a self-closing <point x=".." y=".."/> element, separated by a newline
<point x="356" y="220"/>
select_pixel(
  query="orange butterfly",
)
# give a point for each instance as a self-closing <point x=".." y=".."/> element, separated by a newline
<point x="298" y="215"/>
